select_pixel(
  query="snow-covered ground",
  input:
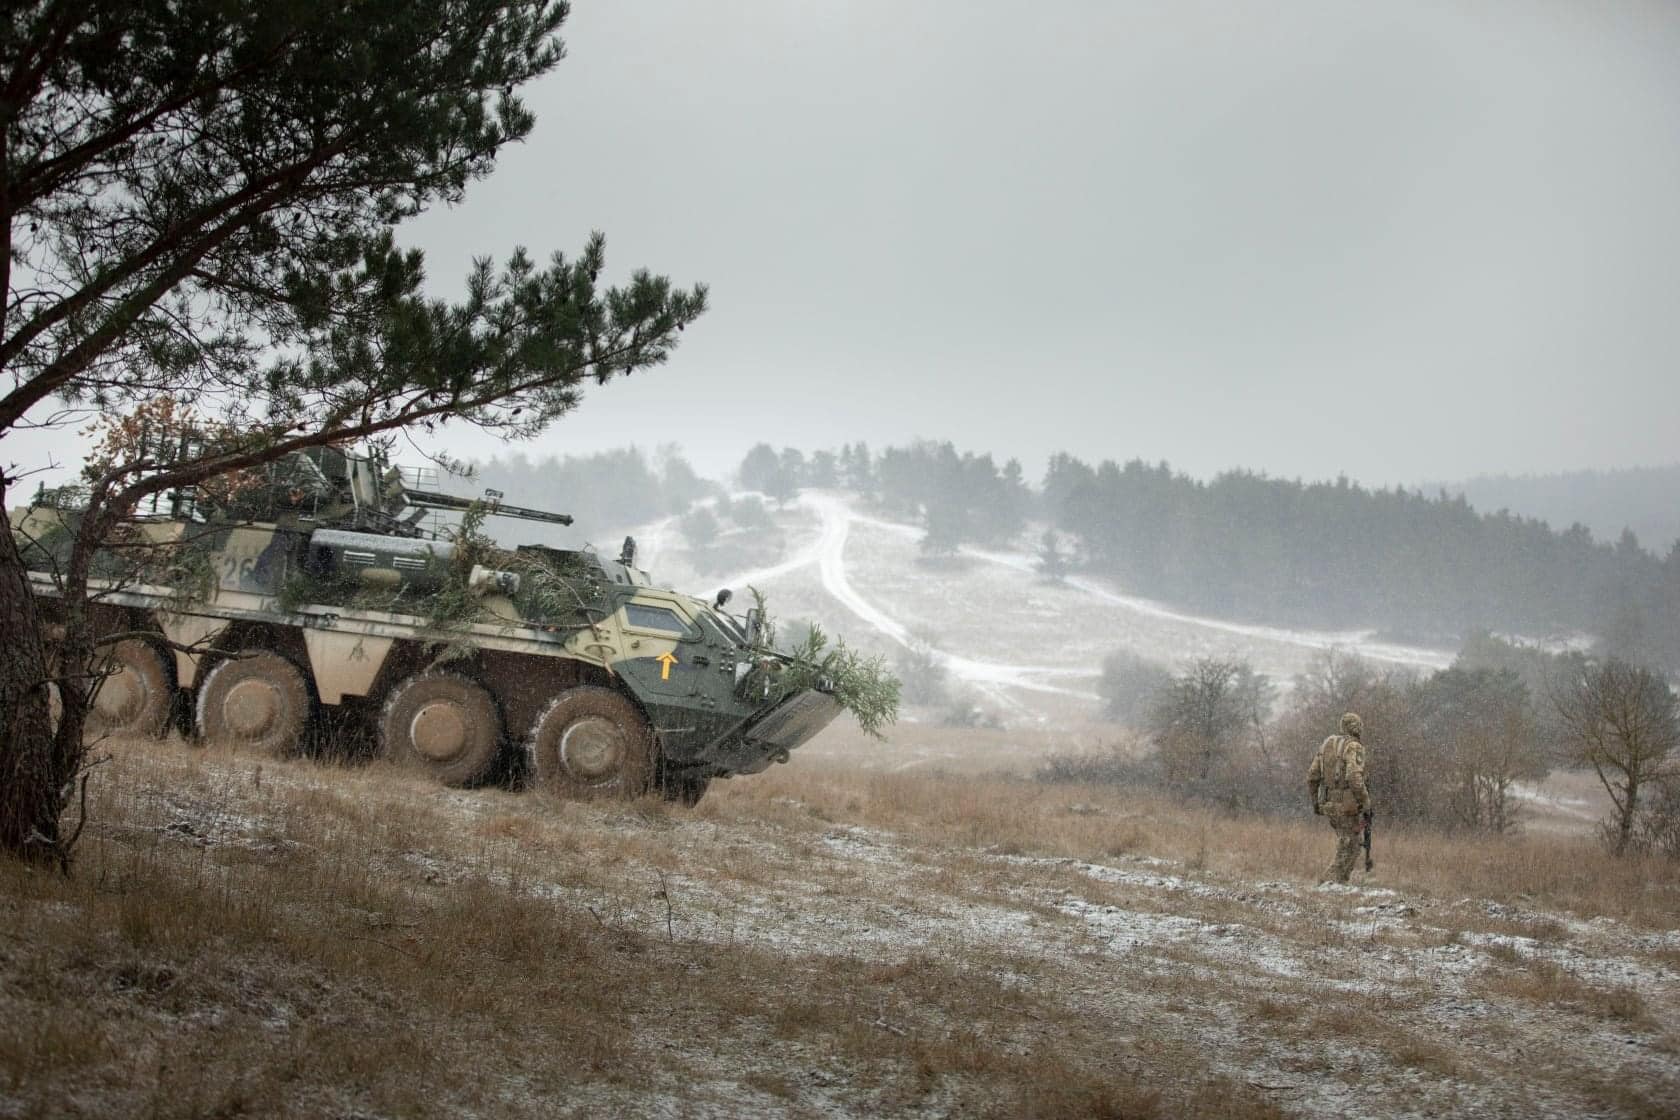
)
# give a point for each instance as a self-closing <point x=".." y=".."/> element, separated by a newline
<point x="1334" y="1000"/>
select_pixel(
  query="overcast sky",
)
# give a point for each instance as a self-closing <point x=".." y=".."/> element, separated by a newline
<point x="1401" y="241"/>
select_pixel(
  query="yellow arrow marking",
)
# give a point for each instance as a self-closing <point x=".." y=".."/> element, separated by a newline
<point x="666" y="660"/>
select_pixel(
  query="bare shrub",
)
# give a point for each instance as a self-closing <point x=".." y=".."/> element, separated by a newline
<point x="1211" y="712"/>
<point x="1621" y="720"/>
<point x="1480" y="727"/>
<point x="1122" y="762"/>
<point x="1659" y="825"/>
<point x="1402" y="772"/>
<point x="966" y="710"/>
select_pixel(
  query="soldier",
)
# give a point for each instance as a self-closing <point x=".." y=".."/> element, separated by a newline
<point x="1336" y="783"/>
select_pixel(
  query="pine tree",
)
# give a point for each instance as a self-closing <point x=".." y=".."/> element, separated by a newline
<point x="759" y="469"/>
<point x="1052" y="562"/>
<point x="201" y="197"/>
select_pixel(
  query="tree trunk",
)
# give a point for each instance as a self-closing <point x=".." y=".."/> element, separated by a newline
<point x="33" y="777"/>
<point x="1624" y="827"/>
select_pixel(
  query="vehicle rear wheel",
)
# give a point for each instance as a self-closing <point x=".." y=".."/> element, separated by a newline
<point x="592" y="742"/>
<point x="257" y="700"/>
<point x="136" y="694"/>
<point x="445" y="724"/>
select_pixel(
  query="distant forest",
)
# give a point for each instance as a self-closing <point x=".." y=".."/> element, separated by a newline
<point x="1328" y="554"/>
<point x="606" y="493"/>
<point x="1643" y="499"/>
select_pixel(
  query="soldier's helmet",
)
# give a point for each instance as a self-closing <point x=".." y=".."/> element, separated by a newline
<point x="1353" y="725"/>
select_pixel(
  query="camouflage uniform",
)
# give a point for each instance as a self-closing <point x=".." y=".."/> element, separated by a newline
<point x="1336" y="783"/>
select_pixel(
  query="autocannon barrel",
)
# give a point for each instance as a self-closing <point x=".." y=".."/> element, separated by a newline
<point x="431" y="499"/>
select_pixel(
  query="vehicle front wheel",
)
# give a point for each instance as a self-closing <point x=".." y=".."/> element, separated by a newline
<point x="258" y="701"/>
<point x="592" y="742"/>
<point x="447" y="725"/>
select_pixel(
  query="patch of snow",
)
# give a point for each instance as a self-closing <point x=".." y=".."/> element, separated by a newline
<point x="1567" y="806"/>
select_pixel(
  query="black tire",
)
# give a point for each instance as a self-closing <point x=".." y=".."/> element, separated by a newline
<point x="592" y="742"/>
<point x="135" y="697"/>
<point x="256" y="701"/>
<point x="447" y="725"/>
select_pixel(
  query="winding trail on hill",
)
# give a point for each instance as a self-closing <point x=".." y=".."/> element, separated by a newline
<point x="828" y="553"/>
<point x="837" y="518"/>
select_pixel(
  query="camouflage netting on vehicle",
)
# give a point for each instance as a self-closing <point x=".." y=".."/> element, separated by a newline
<point x="862" y="685"/>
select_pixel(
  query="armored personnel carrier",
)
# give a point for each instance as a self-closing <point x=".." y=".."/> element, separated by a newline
<point x="325" y="582"/>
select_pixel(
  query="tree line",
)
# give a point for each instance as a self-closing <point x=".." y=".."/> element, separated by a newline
<point x="604" y="491"/>
<point x="958" y="497"/>
<point x="1247" y="546"/>
<point x="1334" y="553"/>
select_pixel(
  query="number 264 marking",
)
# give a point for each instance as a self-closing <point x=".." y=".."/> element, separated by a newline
<point x="235" y="570"/>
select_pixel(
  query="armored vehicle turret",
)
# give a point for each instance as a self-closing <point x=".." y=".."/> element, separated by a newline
<point x="327" y="582"/>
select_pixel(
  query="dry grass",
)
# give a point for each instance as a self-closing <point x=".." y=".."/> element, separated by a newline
<point x="1551" y="985"/>
<point x="246" y="937"/>
<point x="1014" y="815"/>
<point x="251" y="938"/>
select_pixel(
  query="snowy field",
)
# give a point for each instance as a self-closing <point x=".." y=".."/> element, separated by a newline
<point x="1032" y="649"/>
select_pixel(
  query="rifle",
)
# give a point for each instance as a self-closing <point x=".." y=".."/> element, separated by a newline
<point x="1366" y="842"/>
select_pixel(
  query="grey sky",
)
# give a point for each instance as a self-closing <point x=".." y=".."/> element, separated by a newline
<point x="1403" y="241"/>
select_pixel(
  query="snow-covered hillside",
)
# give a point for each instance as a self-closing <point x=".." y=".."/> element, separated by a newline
<point x="1029" y="648"/>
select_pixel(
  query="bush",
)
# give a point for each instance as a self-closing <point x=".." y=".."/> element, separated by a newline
<point x="750" y="512"/>
<point x="1120" y="763"/>
<point x="1130" y="685"/>
<point x="966" y="711"/>
<point x="700" y="525"/>
<point x="922" y="673"/>
<point x="1659" y="826"/>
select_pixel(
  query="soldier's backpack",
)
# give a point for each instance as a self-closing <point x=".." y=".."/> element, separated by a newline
<point x="1335" y="794"/>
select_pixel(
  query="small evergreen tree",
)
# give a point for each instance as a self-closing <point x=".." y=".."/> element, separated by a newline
<point x="759" y="469"/>
<point x="700" y="525"/>
<point x="823" y="470"/>
<point x="1052" y="561"/>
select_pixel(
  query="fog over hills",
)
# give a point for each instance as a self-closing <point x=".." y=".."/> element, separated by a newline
<point x="1644" y="499"/>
